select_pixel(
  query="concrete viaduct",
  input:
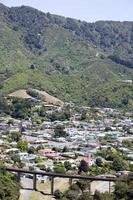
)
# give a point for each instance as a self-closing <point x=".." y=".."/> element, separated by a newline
<point x="52" y="176"/>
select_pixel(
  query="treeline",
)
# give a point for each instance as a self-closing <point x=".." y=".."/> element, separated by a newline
<point x="103" y="34"/>
<point x="4" y="106"/>
<point x="121" y="61"/>
<point x="17" y="108"/>
<point x="79" y="191"/>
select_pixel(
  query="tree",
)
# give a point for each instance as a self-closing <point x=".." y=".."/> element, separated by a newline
<point x="83" y="166"/>
<point x="102" y="196"/>
<point x="120" y="190"/>
<point x="107" y="128"/>
<point x="67" y="165"/>
<point x="75" y="187"/>
<point x="15" y="158"/>
<point x="42" y="111"/>
<point x="42" y="167"/>
<point x="65" y="149"/>
<point x="21" y="108"/>
<point x="9" y="185"/>
<point x="83" y="185"/>
<point x="16" y="136"/>
<point x="99" y="162"/>
<point x="71" y="194"/>
<point x="31" y="150"/>
<point x="22" y="145"/>
<point x="59" y="131"/>
<point x="83" y="115"/>
<point x="38" y="160"/>
<point x="59" y="169"/>
<point x="85" y="196"/>
<point x="58" y="194"/>
<point x="125" y="100"/>
<point x="118" y="164"/>
<point x="40" y="147"/>
<point x="4" y="107"/>
<point x="32" y="66"/>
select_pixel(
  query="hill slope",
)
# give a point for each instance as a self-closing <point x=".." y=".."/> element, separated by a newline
<point x="73" y="60"/>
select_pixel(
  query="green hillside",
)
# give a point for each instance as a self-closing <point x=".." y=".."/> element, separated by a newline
<point x="81" y="62"/>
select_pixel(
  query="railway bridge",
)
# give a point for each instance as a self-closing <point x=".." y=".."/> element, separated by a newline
<point x="52" y="176"/>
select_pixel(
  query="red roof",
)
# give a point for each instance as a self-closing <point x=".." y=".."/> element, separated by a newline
<point x="88" y="159"/>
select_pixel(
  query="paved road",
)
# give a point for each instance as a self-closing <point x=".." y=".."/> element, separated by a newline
<point x="26" y="183"/>
<point x="25" y="194"/>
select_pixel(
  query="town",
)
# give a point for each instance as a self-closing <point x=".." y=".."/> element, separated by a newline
<point x="68" y="139"/>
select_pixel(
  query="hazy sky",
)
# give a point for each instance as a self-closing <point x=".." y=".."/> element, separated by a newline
<point x="88" y="10"/>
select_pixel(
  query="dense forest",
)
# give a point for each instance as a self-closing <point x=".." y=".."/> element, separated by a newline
<point x="113" y="37"/>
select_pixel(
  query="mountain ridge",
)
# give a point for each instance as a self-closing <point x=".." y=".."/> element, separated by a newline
<point x="68" y="58"/>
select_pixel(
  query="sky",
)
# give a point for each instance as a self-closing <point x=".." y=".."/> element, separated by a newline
<point x="86" y="10"/>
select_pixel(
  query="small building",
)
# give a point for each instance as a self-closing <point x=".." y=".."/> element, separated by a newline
<point x="89" y="160"/>
<point x="48" y="153"/>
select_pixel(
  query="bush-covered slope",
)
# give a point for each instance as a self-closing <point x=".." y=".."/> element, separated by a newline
<point x="9" y="185"/>
<point x="73" y="60"/>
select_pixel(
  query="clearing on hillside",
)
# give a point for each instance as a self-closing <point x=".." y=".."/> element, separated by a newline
<point x="49" y="98"/>
<point x="20" y="94"/>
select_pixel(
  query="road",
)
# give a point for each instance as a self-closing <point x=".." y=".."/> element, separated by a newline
<point x="25" y="194"/>
<point x="26" y="184"/>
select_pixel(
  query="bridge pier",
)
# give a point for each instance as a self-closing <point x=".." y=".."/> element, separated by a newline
<point x="34" y="182"/>
<point x="89" y="187"/>
<point x="52" y="185"/>
<point x="70" y="181"/>
<point x="109" y="187"/>
<point x="18" y="176"/>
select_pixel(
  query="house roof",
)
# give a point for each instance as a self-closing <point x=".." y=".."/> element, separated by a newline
<point x="88" y="159"/>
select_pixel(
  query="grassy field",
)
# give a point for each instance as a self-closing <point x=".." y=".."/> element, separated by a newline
<point x="39" y="196"/>
<point x="60" y="183"/>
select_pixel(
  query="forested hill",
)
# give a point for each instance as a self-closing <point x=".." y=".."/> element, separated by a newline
<point x="88" y="63"/>
<point x="113" y="37"/>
